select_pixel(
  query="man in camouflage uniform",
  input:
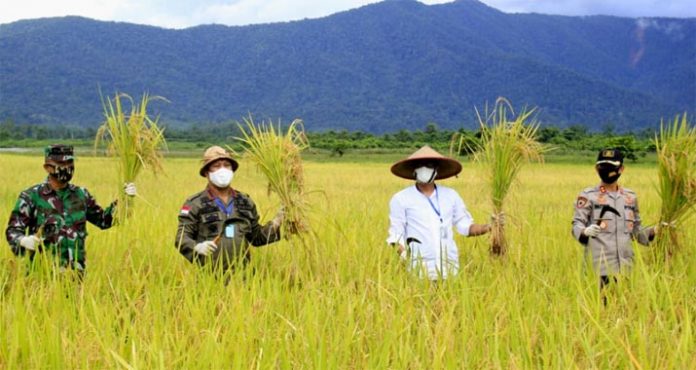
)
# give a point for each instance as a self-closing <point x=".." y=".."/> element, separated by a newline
<point x="217" y="224"/>
<point x="607" y="219"/>
<point x="55" y="213"/>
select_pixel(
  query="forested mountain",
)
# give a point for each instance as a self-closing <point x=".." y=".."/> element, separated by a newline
<point x="382" y="67"/>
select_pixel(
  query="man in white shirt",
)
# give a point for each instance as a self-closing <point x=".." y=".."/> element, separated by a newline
<point x="422" y="216"/>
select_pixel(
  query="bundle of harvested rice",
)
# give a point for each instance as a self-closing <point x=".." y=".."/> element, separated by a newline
<point x="676" y="158"/>
<point x="135" y="139"/>
<point x="277" y="156"/>
<point x="506" y="144"/>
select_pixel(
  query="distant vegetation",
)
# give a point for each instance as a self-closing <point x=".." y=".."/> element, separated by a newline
<point x="571" y="139"/>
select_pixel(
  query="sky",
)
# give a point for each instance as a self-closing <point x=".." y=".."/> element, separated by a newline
<point x="188" y="13"/>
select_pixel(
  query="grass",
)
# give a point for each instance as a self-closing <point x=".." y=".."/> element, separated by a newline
<point x="143" y="306"/>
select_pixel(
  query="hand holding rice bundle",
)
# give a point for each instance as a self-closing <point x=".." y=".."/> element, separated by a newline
<point x="278" y="156"/>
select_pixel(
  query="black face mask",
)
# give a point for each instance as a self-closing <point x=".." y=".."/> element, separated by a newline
<point x="608" y="173"/>
<point x="62" y="174"/>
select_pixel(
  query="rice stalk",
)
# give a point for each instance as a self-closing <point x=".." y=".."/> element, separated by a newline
<point x="277" y="154"/>
<point x="676" y="158"/>
<point x="506" y="144"/>
<point x="135" y="139"/>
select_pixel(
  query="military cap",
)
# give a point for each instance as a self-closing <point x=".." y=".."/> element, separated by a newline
<point x="59" y="153"/>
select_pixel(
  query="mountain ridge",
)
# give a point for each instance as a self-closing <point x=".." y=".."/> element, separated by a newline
<point x="377" y="68"/>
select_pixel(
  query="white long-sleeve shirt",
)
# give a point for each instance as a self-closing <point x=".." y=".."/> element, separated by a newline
<point x="414" y="217"/>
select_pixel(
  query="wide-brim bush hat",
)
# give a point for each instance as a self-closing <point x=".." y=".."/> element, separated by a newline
<point x="214" y="153"/>
<point x="446" y="167"/>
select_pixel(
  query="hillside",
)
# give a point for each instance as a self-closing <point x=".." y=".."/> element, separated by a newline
<point x="382" y="67"/>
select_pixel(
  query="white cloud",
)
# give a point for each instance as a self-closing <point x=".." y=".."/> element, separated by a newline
<point x="625" y="8"/>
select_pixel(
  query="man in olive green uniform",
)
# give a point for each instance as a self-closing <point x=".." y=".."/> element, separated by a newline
<point x="607" y="219"/>
<point x="55" y="213"/>
<point x="217" y="224"/>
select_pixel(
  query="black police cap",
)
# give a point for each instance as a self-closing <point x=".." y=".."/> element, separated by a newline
<point x="610" y="155"/>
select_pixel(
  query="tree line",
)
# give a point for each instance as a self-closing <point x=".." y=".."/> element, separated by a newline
<point x="338" y="142"/>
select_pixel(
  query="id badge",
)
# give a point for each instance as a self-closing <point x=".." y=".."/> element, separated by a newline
<point x="229" y="231"/>
<point x="443" y="232"/>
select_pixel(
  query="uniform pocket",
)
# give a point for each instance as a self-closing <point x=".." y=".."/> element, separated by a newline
<point x="210" y="226"/>
<point x="628" y="225"/>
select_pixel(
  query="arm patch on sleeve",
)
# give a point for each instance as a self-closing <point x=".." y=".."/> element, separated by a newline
<point x="581" y="202"/>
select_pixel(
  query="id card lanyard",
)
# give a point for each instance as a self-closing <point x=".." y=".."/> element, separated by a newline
<point x="227" y="210"/>
<point x="443" y="231"/>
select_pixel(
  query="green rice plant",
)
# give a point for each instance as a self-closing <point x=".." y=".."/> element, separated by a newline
<point x="506" y="144"/>
<point x="135" y="139"/>
<point x="278" y="156"/>
<point x="676" y="158"/>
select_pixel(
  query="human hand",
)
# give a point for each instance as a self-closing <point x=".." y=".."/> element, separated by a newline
<point x="29" y="242"/>
<point x="497" y="219"/>
<point x="657" y="229"/>
<point x="278" y="219"/>
<point x="205" y="248"/>
<point x="592" y="231"/>
<point x="400" y="250"/>
<point x="129" y="189"/>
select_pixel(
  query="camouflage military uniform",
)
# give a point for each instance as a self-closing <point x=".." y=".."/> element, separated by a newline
<point x="612" y="249"/>
<point x="200" y="219"/>
<point x="59" y="217"/>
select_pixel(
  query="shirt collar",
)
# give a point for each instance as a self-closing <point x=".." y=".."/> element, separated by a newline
<point x="213" y="197"/>
<point x="46" y="188"/>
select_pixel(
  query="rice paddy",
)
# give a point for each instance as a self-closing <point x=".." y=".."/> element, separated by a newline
<point x="341" y="299"/>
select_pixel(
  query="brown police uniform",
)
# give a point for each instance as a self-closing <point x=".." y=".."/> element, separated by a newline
<point x="201" y="219"/>
<point x="612" y="249"/>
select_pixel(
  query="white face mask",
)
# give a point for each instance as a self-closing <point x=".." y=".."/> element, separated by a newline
<point x="221" y="178"/>
<point x="425" y="175"/>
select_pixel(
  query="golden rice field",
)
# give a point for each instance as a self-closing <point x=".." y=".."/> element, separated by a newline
<point x="341" y="299"/>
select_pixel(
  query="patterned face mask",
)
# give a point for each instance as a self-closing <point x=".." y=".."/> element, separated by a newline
<point x="62" y="173"/>
<point x="425" y="175"/>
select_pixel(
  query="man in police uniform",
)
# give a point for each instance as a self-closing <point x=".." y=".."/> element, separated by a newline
<point x="216" y="224"/>
<point x="607" y="219"/>
<point x="55" y="213"/>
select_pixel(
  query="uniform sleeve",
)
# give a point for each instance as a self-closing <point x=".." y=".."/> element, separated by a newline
<point x="96" y="215"/>
<point x="641" y="235"/>
<point x="20" y="220"/>
<point x="397" y="222"/>
<point x="187" y="230"/>
<point x="461" y="217"/>
<point x="582" y="217"/>
<point x="260" y="235"/>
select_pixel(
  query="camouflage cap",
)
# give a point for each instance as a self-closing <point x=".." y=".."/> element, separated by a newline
<point x="611" y="155"/>
<point x="59" y="153"/>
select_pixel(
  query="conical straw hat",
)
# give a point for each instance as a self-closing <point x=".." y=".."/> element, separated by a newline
<point x="446" y="167"/>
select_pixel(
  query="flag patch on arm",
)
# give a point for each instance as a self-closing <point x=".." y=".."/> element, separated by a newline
<point x="185" y="210"/>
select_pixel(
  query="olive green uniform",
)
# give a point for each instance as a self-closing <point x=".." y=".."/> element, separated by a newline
<point x="200" y="219"/>
<point x="612" y="250"/>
